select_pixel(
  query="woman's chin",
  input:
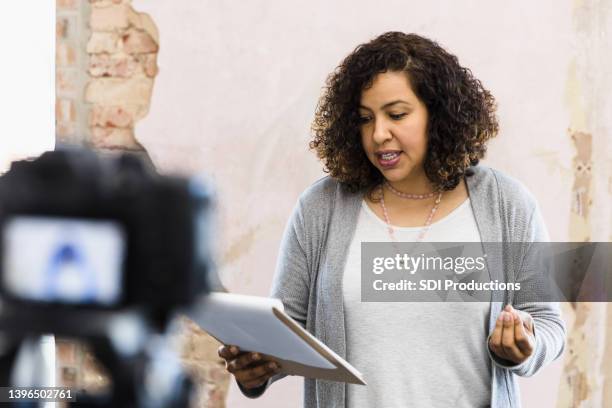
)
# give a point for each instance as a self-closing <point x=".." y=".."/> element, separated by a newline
<point x="394" y="175"/>
<point x="399" y="175"/>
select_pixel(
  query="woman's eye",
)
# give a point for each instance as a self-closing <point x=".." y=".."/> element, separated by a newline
<point x="364" y="119"/>
<point x="397" y="116"/>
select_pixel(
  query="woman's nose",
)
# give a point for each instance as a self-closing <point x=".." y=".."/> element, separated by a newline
<point x="381" y="132"/>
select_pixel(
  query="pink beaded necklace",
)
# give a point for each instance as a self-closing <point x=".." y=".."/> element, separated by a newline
<point x="411" y="197"/>
<point x="408" y="195"/>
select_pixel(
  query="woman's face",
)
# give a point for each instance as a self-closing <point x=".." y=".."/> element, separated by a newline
<point x="394" y="127"/>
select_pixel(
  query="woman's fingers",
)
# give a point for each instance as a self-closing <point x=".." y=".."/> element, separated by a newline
<point x="496" y="337"/>
<point x="523" y="331"/>
<point x="243" y="361"/>
<point x="524" y="339"/>
<point x="513" y="337"/>
<point x="502" y="341"/>
<point x="250" y="369"/>
<point x="525" y="317"/>
<point x="508" y="342"/>
<point x="254" y="383"/>
<point x="257" y="375"/>
<point x="227" y="352"/>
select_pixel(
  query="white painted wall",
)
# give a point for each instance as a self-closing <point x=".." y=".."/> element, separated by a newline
<point x="238" y="85"/>
<point x="27" y="107"/>
<point x="27" y="80"/>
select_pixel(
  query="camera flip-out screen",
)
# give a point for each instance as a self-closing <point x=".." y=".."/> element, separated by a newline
<point x="63" y="260"/>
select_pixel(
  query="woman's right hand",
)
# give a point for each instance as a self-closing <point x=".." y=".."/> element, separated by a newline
<point x="251" y="370"/>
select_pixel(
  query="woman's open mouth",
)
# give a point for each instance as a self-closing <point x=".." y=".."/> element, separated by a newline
<point x="388" y="159"/>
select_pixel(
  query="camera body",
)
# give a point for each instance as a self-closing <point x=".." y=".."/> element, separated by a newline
<point x="81" y="233"/>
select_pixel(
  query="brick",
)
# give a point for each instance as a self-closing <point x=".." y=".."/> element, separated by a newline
<point x="109" y="18"/>
<point x="111" y="116"/>
<point x="66" y="4"/>
<point x="69" y="377"/>
<point x="61" y="28"/>
<point x="66" y="82"/>
<point x="138" y="42"/>
<point x="66" y="352"/>
<point x="100" y="42"/>
<point x="66" y="28"/>
<point x="196" y="344"/>
<point x="65" y="131"/>
<point x="202" y="372"/>
<point x="143" y="22"/>
<point x="65" y="54"/>
<point x="199" y="358"/>
<point x="114" y="138"/>
<point x="105" y="65"/>
<point x="149" y="64"/>
<point x="216" y="398"/>
<point x="65" y="110"/>
<point x="118" y="91"/>
<point x="106" y="3"/>
<point x="217" y="374"/>
<point x="94" y="378"/>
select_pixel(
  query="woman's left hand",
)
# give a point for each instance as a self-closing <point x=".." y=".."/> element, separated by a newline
<point x="513" y="337"/>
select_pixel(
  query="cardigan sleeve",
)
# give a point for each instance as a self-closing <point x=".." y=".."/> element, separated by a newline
<point x="291" y="283"/>
<point x="549" y="327"/>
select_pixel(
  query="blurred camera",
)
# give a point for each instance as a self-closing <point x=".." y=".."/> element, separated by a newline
<point x="81" y="230"/>
<point x="98" y="247"/>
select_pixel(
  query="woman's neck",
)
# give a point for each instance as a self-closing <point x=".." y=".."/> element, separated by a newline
<point x="417" y="184"/>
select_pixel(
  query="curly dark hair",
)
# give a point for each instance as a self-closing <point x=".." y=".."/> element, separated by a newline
<point x="461" y="111"/>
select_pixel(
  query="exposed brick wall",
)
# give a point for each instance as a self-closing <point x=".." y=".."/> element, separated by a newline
<point x="106" y="63"/>
<point x="200" y="360"/>
<point x="70" y="74"/>
<point x="105" y="72"/>
<point x="78" y="368"/>
<point x="122" y="66"/>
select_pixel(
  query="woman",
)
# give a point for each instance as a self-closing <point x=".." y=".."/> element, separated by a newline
<point x="401" y="129"/>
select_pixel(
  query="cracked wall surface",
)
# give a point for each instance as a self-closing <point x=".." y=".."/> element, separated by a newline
<point x="122" y="68"/>
<point x="106" y="66"/>
<point x="106" y="63"/>
<point x="237" y="86"/>
<point x="586" y="379"/>
<point x="248" y="79"/>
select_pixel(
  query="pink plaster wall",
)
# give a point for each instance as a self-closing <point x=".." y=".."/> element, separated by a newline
<point x="237" y="87"/>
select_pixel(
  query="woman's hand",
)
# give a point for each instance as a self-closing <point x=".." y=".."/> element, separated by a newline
<point x="513" y="338"/>
<point x="251" y="370"/>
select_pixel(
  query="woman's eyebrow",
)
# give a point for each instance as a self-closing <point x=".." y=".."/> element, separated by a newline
<point x="388" y="104"/>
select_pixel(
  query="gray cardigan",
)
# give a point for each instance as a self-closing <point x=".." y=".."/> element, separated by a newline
<point x="313" y="253"/>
